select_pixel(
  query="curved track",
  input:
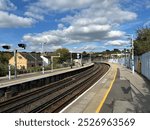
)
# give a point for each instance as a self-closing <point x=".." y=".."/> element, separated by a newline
<point x="55" y="96"/>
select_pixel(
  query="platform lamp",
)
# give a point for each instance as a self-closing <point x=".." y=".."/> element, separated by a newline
<point x="22" y="46"/>
<point x="42" y="54"/>
<point x="7" y="47"/>
<point x="132" y="47"/>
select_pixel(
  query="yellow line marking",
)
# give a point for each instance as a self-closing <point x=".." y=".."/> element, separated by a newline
<point x="106" y="94"/>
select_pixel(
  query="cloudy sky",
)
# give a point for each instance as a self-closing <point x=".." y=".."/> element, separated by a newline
<point x="79" y="25"/>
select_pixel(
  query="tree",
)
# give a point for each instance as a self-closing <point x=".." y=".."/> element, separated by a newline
<point x="5" y="56"/>
<point x="142" y="42"/>
<point x="64" y="55"/>
<point x="116" y="51"/>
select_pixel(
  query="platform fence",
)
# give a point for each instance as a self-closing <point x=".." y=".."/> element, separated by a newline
<point x="142" y="63"/>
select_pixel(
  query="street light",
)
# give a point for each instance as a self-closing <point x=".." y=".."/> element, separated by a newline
<point x="78" y="56"/>
<point x="7" y="47"/>
<point x="81" y="59"/>
<point x="21" y="45"/>
<point x="42" y="53"/>
<point x="132" y="47"/>
<point x="125" y="52"/>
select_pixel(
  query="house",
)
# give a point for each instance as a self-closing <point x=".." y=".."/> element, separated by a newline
<point x="26" y="60"/>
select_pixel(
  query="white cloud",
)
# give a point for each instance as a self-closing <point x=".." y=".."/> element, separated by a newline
<point x="89" y="47"/>
<point x="44" y="6"/>
<point x="94" y="21"/>
<point x="116" y="34"/>
<point x="35" y="12"/>
<point x="7" y="5"/>
<point x="47" y="48"/>
<point x="35" y="16"/>
<point x="117" y="43"/>
<point x="10" y="20"/>
<point x="63" y="4"/>
<point x="46" y="37"/>
<point x="61" y="26"/>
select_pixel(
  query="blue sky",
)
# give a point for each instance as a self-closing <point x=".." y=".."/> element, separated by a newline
<point x="80" y="25"/>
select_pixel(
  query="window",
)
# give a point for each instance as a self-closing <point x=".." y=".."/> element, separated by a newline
<point x="19" y="57"/>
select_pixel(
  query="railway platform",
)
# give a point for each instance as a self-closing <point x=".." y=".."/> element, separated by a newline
<point x="91" y="101"/>
<point x="4" y="82"/>
<point x="130" y="93"/>
<point x="118" y="91"/>
<point x="28" y="81"/>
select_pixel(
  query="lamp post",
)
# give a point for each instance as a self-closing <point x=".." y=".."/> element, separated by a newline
<point x="132" y="52"/>
<point x="21" y="45"/>
<point x="42" y="53"/>
<point x="81" y="59"/>
<point x="78" y="57"/>
<point x="125" y="56"/>
<point x="9" y="72"/>
<point x="9" y="67"/>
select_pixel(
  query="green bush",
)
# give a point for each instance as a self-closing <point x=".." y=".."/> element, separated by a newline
<point x="3" y="70"/>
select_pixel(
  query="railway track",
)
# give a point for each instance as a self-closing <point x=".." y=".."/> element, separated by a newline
<point x="55" y="96"/>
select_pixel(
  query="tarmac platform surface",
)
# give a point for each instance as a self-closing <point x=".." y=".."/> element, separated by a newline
<point x="130" y="93"/>
<point x="118" y="91"/>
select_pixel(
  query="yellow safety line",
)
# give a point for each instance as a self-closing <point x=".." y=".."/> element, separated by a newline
<point x="106" y="94"/>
